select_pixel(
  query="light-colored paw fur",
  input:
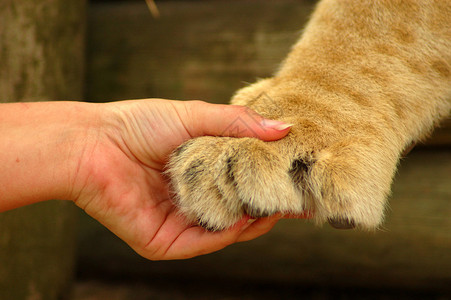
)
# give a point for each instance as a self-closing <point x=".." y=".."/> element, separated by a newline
<point x="218" y="180"/>
<point x="366" y="79"/>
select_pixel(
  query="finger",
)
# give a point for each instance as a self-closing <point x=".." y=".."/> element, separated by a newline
<point x="175" y="240"/>
<point x="233" y="121"/>
<point x="258" y="228"/>
<point x="194" y="241"/>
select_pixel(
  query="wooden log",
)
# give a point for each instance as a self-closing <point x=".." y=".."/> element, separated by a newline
<point x="41" y="58"/>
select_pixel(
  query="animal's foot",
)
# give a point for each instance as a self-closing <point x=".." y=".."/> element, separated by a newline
<point x="219" y="180"/>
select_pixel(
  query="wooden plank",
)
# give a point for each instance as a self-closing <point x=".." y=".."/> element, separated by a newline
<point x="202" y="50"/>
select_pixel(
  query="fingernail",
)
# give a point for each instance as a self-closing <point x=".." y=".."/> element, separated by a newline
<point x="277" y="125"/>
<point x="283" y="126"/>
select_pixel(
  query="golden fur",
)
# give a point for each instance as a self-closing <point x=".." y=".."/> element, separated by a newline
<point x="366" y="80"/>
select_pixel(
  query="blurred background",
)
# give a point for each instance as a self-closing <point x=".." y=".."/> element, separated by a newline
<point x="207" y="50"/>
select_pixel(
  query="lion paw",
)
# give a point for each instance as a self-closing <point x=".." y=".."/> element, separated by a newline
<point x="218" y="180"/>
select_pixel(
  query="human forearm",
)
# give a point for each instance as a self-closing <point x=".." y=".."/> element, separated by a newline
<point x="40" y="145"/>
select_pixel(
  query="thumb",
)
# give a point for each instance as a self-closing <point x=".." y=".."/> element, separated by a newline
<point x="233" y="121"/>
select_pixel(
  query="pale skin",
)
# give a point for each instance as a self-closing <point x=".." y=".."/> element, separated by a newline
<point x="110" y="160"/>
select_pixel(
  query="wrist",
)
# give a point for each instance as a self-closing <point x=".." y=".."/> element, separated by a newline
<point x="92" y="152"/>
<point x="80" y="137"/>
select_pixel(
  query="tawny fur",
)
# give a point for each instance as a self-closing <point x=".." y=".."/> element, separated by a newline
<point x="366" y="79"/>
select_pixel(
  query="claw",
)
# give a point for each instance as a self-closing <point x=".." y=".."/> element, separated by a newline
<point x="207" y="227"/>
<point x="339" y="223"/>
<point x="408" y="149"/>
<point x="256" y="213"/>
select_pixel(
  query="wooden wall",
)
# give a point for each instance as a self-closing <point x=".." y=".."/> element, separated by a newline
<point x="206" y="50"/>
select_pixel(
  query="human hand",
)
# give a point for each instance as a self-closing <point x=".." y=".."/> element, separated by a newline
<point x="121" y="182"/>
